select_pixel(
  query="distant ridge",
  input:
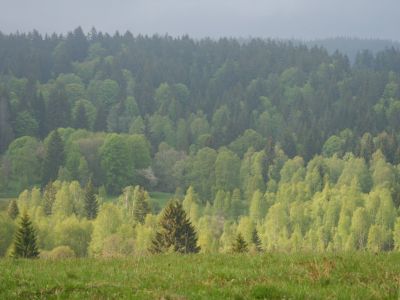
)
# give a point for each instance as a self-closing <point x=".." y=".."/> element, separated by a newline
<point x="351" y="46"/>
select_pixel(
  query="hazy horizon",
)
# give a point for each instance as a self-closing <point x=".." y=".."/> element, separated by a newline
<point x="288" y="19"/>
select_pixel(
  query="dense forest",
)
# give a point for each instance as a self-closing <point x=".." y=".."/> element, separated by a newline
<point x="267" y="145"/>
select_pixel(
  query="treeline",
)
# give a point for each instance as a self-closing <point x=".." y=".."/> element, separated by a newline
<point x="162" y="87"/>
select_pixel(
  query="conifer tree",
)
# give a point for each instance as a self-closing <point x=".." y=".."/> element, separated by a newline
<point x="140" y="204"/>
<point x="49" y="198"/>
<point x="54" y="158"/>
<point x="91" y="204"/>
<point x="13" y="210"/>
<point x="25" y="240"/>
<point x="255" y="239"/>
<point x="176" y="233"/>
<point x="81" y="120"/>
<point x="239" y="244"/>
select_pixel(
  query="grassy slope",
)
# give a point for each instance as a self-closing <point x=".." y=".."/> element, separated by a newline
<point x="268" y="276"/>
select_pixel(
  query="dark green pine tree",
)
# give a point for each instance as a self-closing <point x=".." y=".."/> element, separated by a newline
<point x="255" y="239"/>
<point x="54" y="157"/>
<point x="91" y="204"/>
<point x="25" y="240"/>
<point x="176" y="233"/>
<point x="39" y="112"/>
<point x="81" y="120"/>
<point x="140" y="205"/>
<point x="239" y="245"/>
<point x="58" y="108"/>
<point x="49" y="198"/>
<point x="13" y="210"/>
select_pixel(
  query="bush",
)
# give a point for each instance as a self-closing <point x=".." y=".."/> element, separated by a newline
<point x="61" y="252"/>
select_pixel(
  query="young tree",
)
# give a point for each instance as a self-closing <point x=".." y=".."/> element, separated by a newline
<point x="54" y="159"/>
<point x="140" y="204"/>
<point x="49" y="198"/>
<point x="256" y="240"/>
<point x="176" y="232"/>
<point x="239" y="244"/>
<point x="13" y="210"/>
<point x="91" y="205"/>
<point x="25" y="240"/>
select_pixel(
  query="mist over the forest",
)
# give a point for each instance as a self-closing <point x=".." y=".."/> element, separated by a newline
<point x="300" y="19"/>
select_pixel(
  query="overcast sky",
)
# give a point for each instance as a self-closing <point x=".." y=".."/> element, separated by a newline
<point x="303" y="19"/>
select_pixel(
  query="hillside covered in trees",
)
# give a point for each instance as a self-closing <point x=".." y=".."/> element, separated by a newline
<point x="285" y="146"/>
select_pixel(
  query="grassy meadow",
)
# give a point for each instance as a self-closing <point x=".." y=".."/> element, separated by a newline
<point x="216" y="276"/>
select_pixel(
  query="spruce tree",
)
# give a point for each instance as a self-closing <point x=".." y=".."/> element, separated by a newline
<point x="49" y="198"/>
<point x="176" y="233"/>
<point x="255" y="239"/>
<point x="239" y="244"/>
<point x="91" y="204"/>
<point x="81" y="120"/>
<point x="54" y="157"/>
<point x="13" y="210"/>
<point x="140" y="204"/>
<point x="25" y="240"/>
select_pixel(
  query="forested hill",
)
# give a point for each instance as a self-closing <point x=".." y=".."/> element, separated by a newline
<point x="179" y="96"/>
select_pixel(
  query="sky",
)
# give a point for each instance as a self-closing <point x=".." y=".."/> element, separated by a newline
<point x="297" y="19"/>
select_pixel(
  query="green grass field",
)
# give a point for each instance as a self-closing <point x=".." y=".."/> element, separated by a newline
<point x="267" y="276"/>
<point x="158" y="200"/>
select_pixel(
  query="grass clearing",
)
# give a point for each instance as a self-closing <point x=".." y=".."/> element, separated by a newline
<point x="158" y="200"/>
<point x="215" y="276"/>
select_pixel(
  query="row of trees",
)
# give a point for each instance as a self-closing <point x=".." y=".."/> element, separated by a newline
<point x="291" y="215"/>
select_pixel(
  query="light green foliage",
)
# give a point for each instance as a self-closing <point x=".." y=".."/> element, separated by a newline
<point x="190" y="205"/>
<point x="63" y="204"/>
<point x="13" y="210"/>
<point x="356" y="168"/>
<point x="7" y="228"/>
<point x="257" y="207"/>
<point x="60" y="252"/>
<point x="396" y="235"/>
<point x="73" y="233"/>
<point x="107" y="223"/>
<point x="140" y="204"/>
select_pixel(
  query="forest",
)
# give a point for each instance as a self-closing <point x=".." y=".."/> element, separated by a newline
<point x="266" y="145"/>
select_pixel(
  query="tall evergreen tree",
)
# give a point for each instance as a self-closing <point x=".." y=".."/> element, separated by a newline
<point x="13" y="210"/>
<point x="176" y="233"/>
<point x="91" y="204"/>
<point x="25" y="240"/>
<point x="58" y="108"/>
<point x="54" y="157"/>
<point x="6" y="131"/>
<point x="39" y="112"/>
